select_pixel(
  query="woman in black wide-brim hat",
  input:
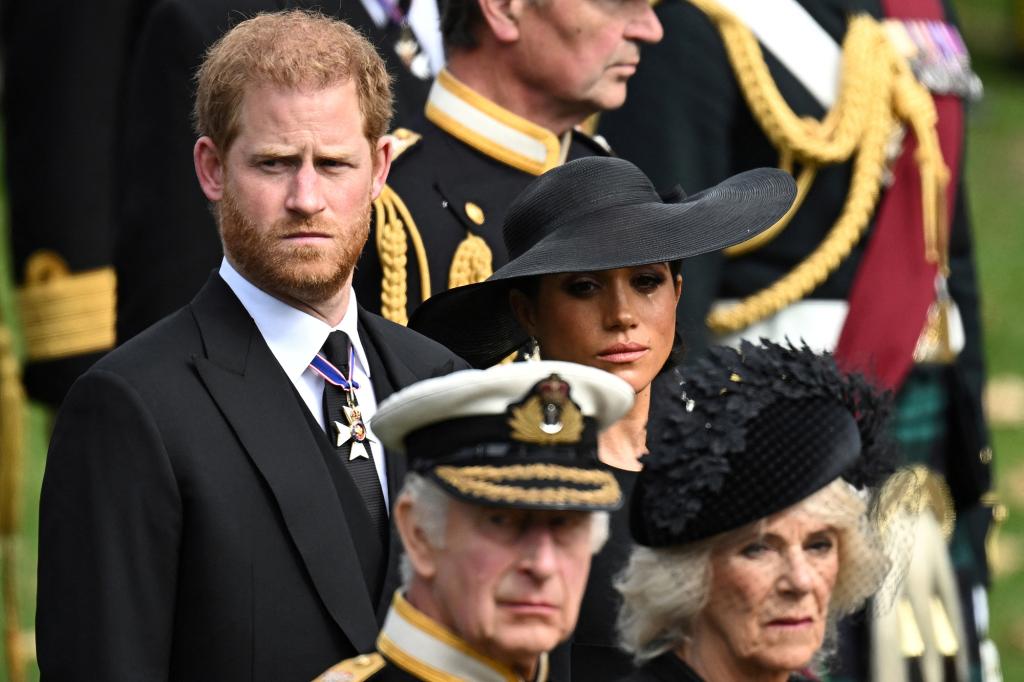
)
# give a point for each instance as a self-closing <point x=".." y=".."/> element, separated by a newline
<point x="755" y="516"/>
<point x="593" y="278"/>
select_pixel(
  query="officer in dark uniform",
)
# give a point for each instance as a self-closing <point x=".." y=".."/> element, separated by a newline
<point x="876" y="264"/>
<point x="62" y="73"/>
<point x="519" y="79"/>
<point x="167" y="241"/>
<point x="503" y="506"/>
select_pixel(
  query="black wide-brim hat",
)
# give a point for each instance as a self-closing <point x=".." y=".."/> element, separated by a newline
<point x="597" y="213"/>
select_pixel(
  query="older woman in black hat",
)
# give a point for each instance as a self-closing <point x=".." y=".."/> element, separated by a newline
<point x="593" y="278"/>
<point x="752" y="516"/>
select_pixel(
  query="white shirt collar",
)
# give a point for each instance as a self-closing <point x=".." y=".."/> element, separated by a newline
<point x="294" y="337"/>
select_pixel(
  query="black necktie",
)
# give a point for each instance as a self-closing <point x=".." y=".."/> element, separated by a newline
<point x="361" y="469"/>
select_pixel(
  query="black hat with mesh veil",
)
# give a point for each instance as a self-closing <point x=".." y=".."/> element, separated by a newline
<point x="746" y="433"/>
<point x="597" y="213"/>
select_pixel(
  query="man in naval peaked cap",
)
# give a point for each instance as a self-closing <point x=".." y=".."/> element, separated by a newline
<point x="503" y="506"/>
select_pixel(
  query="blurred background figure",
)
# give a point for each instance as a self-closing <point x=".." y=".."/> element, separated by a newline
<point x="520" y="77"/>
<point x="63" y="69"/>
<point x="876" y="263"/>
<point x="166" y="236"/>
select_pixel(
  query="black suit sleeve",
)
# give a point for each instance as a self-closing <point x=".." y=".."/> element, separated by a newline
<point x="109" y="528"/>
<point x="167" y="239"/>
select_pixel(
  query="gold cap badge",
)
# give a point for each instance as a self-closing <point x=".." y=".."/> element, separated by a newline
<point x="547" y="416"/>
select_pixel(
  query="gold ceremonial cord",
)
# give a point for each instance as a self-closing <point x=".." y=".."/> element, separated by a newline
<point x="471" y="263"/>
<point x="394" y="228"/>
<point x="877" y="91"/>
<point x="17" y="644"/>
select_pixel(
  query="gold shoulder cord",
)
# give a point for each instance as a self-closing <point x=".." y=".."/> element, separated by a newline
<point x="17" y="644"/>
<point x="877" y="92"/>
<point x="394" y="227"/>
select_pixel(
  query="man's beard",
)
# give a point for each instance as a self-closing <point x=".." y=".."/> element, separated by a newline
<point x="306" y="273"/>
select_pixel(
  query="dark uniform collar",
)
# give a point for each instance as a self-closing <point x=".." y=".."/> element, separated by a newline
<point x="423" y="647"/>
<point x="493" y="130"/>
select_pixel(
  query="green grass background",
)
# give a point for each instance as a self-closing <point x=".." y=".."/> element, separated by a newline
<point x="995" y="173"/>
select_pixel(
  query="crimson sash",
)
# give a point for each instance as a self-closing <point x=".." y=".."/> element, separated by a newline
<point x="894" y="284"/>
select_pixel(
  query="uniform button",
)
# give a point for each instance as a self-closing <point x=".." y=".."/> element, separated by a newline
<point x="475" y="213"/>
<point x="985" y="455"/>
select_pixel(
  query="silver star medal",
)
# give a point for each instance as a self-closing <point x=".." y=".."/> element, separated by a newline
<point x="354" y="430"/>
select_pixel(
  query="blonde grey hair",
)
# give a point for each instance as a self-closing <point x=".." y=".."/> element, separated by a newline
<point x="429" y="510"/>
<point x="665" y="589"/>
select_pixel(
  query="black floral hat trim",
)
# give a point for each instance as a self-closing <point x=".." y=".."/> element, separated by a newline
<point x="709" y="409"/>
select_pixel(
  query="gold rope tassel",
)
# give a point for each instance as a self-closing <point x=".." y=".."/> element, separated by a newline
<point x="12" y="415"/>
<point x="877" y="91"/>
<point x="913" y="103"/>
<point x="471" y="263"/>
<point x="394" y="228"/>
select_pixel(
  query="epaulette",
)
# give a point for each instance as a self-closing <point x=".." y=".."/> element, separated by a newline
<point x="353" y="669"/>
<point x="402" y="140"/>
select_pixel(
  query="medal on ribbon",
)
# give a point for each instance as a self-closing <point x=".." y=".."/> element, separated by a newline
<point x="351" y="428"/>
<point x="937" y="55"/>
<point x="354" y="429"/>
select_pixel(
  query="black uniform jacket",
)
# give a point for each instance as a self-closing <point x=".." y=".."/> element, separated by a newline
<point x="457" y="176"/>
<point x="701" y="133"/>
<point x="166" y="235"/>
<point x="189" y="528"/>
<point x="60" y="105"/>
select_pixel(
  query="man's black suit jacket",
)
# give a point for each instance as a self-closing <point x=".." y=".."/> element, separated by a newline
<point x="189" y="528"/>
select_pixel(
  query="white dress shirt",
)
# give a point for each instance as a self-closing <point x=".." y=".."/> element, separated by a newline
<point x="295" y="337"/>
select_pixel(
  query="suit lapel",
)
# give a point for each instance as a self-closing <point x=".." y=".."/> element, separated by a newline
<point x="389" y="373"/>
<point x="256" y="398"/>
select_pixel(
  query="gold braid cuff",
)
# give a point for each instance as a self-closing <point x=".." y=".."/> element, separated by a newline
<point x="489" y="483"/>
<point x="877" y="92"/>
<point x="471" y="263"/>
<point x="65" y="314"/>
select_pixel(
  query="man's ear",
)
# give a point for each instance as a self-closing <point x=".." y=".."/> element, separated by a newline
<point x="209" y="168"/>
<point x="502" y="17"/>
<point x="381" y="164"/>
<point x="414" y="540"/>
<point x="524" y="310"/>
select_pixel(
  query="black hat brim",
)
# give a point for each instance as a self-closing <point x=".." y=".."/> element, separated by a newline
<point x="476" y="321"/>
